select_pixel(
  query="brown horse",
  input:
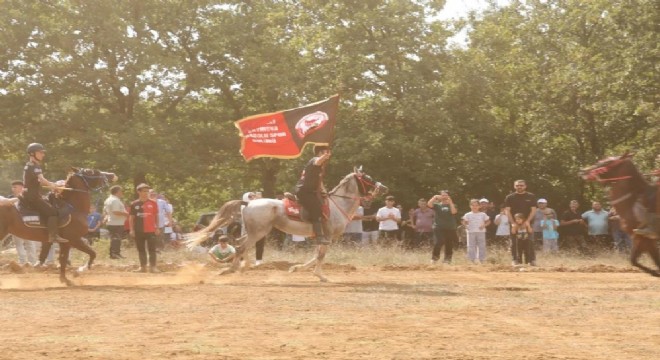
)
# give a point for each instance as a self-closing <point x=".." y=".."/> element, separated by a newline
<point x="628" y="190"/>
<point x="79" y="184"/>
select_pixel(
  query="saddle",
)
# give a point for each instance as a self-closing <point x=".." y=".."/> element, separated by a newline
<point x="31" y="217"/>
<point x="296" y="212"/>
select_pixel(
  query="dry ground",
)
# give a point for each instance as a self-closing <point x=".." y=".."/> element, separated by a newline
<point x="364" y="312"/>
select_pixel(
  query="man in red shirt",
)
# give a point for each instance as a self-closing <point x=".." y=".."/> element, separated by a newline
<point x="143" y="225"/>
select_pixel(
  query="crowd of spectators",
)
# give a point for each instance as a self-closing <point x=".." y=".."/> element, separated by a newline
<point x="524" y="224"/>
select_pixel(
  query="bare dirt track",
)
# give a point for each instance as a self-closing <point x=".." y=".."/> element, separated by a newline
<point x="363" y="313"/>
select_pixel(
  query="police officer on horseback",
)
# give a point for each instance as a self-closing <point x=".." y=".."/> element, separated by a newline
<point x="310" y="189"/>
<point x="33" y="178"/>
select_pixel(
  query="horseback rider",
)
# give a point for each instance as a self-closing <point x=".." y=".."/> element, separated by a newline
<point x="33" y="178"/>
<point x="310" y="189"/>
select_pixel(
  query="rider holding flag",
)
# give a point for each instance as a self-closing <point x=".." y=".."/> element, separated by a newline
<point x="33" y="178"/>
<point x="310" y="189"/>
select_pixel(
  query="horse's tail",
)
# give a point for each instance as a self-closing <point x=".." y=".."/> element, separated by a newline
<point x="224" y="217"/>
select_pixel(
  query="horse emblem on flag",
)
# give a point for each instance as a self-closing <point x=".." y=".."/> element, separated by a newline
<point x="310" y="123"/>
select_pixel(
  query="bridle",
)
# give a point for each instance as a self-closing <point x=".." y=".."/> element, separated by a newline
<point x="86" y="178"/>
<point x="595" y="173"/>
<point x="364" y="182"/>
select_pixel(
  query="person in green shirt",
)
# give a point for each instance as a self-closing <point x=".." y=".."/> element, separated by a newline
<point x="444" y="226"/>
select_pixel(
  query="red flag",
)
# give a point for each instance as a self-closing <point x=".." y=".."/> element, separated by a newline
<point x="284" y="134"/>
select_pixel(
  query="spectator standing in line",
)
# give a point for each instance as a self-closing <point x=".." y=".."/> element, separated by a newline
<point x="521" y="233"/>
<point x="444" y="226"/>
<point x="94" y="221"/>
<point x="597" y="225"/>
<point x="164" y="217"/>
<point x="116" y="216"/>
<point x="221" y="252"/>
<point x="369" y="224"/>
<point x="353" y="231"/>
<point x="621" y="239"/>
<point x="26" y="249"/>
<point x="422" y="223"/>
<point x="573" y="228"/>
<point x="539" y="215"/>
<point x="389" y="218"/>
<point x="491" y="229"/>
<point x="406" y="233"/>
<point x="476" y="222"/>
<point x="143" y="223"/>
<point x="549" y="224"/>
<point x="503" y="232"/>
<point x="522" y="202"/>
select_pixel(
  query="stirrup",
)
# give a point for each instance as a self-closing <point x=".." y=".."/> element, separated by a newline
<point x="647" y="233"/>
<point x="59" y="240"/>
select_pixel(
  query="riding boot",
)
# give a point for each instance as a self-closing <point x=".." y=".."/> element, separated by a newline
<point x="318" y="231"/>
<point x="52" y="230"/>
<point x="650" y="229"/>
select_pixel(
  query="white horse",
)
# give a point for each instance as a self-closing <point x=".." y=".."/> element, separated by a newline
<point x="262" y="215"/>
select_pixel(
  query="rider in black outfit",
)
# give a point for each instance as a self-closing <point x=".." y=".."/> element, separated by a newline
<point x="310" y="189"/>
<point x="33" y="178"/>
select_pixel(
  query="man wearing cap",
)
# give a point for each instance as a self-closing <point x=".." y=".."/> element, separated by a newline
<point x="221" y="252"/>
<point x="143" y="225"/>
<point x="521" y="202"/>
<point x="541" y="209"/>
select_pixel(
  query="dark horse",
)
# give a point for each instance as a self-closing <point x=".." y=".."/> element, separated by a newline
<point x="79" y="184"/>
<point x="627" y="193"/>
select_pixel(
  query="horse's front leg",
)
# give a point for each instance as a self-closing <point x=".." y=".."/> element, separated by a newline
<point x="640" y="246"/>
<point x="320" y="256"/>
<point x="236" y="263"/>
<point x="82" y="246"/>
<point x="64" y="258"/>
<point x="304" y="266"/>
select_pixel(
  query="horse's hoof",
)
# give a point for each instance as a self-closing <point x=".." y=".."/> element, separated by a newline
<point x="294" y="268"/>
<point x="323" y="279"/>
<point x="67" y="282"/>
<point x="82" y="268"/>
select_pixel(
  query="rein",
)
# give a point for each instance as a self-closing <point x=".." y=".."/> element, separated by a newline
<point x="361" y="182"/>
<point x="85" y="179"/>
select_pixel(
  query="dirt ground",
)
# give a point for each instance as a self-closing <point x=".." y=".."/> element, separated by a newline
<point x="362" y="313"/>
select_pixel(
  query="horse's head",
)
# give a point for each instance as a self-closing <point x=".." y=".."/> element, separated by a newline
<point x="609" y="169"/>
<point x="366" y="183"/>
<point x="89" y="179"/>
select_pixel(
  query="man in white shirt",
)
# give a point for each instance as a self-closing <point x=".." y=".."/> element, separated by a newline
<point x="388" y="218"/>
<point x="116" y="216"/>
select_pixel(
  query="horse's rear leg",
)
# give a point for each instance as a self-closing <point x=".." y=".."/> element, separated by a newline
<point x="639" y="247"/>
<point x="320" y="256"/>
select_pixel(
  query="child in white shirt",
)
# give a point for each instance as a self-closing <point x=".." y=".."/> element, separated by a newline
<point x="476" y="221"/>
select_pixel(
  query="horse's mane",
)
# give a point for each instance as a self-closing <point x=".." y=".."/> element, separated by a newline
<point x="342" y="182"/>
